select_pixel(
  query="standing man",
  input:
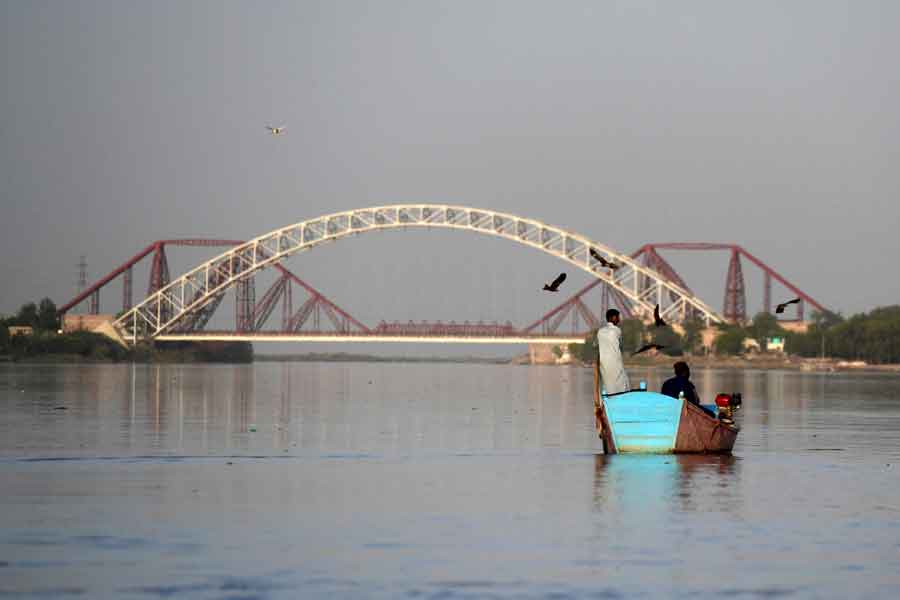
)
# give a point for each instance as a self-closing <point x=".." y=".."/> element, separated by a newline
<point x="609" y="348"/>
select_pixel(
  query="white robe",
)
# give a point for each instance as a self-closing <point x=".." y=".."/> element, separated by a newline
<point x="612" y="370"/>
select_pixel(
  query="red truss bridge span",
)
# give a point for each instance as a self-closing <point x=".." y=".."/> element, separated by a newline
<point x="180" y="308"/>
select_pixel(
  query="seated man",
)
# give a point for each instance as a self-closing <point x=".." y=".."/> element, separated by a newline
<point x="682" y="383"/>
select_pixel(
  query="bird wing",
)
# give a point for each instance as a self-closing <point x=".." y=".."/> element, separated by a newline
<point x="558" y="280"/>
<point x="599" y="258"/>
<point x="780" y="308"/>
<point x="646" y="347"/>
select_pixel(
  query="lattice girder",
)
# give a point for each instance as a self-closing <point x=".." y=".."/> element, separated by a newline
<point x="163" y="309"/>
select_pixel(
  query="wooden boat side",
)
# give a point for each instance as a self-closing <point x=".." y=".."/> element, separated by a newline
<point x="648" y="422"/>
<point x="698" y="432"/>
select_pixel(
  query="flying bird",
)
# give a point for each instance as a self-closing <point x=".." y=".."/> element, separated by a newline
<point x="603" y="262"/>
<point x="780" y="308"/>
<point x="554" y="286"/>
<point x="658" y="319"/>
<point x="275" y="130"/>
<point x="646" y="347"/>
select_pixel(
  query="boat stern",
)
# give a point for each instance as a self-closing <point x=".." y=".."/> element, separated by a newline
<point x="644" y="422"/>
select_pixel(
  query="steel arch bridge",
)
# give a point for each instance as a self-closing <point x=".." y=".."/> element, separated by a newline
<point x="166" y="310"/>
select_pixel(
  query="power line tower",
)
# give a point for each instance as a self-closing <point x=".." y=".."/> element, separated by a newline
<point x="82" y="274"/>
<point x="82" y="284"/>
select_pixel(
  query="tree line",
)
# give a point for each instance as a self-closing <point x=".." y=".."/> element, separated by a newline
<point x="41" y="317"/>
<point x="873" y="337"/>
<point x="635" y="334"/>
<point x="46" y="339"/>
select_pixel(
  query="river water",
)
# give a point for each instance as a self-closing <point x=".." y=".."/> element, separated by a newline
<point x="376" y="480"/>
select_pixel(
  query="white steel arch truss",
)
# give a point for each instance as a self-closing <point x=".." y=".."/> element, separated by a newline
<point x="161" y="311"/>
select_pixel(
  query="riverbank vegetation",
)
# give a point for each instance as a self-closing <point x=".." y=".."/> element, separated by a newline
<point x="44" y="341"/>
<point x="367" y="358"/>
<point x="873" y="337"/>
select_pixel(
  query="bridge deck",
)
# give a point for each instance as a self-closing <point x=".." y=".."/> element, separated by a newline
<point x="363" y="337"/>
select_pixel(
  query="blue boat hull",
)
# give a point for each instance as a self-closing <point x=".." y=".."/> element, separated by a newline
<point x="648" y="422"/>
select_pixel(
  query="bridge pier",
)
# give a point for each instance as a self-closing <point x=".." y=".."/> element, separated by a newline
<point x="549" y="354"/>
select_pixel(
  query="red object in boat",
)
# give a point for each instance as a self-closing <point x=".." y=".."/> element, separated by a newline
<point x="723" y="400"/>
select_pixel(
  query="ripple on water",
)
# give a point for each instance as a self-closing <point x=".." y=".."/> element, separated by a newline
<point x="55" y="592"/>
<point x="760" y="592"/>
<point x="233" y="586"/>
<point x="394" y="493"/>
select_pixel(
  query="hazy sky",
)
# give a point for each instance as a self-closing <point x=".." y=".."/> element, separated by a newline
<point x="775" y="125"/>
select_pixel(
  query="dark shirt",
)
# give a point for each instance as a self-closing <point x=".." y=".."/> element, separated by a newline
<point x="681" y="384"/>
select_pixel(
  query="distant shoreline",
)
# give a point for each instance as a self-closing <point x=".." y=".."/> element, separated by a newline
<point x="346" y="357"/>
<point x="759" y="362"/>
<point x="767" y="363"/>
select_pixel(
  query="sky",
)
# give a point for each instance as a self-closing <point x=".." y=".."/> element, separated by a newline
<point x="771" y="124"/>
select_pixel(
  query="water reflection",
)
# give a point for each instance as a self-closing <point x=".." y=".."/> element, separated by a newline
<point x="681" y="482"/>
<point x="401" y="409"/>
<point x="419" y="478"/>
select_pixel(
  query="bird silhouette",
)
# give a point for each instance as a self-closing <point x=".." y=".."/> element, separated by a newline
<point x="603" y="262"/>
<point x="275" y="130"/>
<point x="658" y="320"/>
<point x="646" y="347"/>
<point x="554" y="286"/>
<point x="780" y="308"/>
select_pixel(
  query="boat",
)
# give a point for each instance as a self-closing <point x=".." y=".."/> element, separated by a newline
<point x="647" y="422"/>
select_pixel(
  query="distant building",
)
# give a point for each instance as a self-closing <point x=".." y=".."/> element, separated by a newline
<point x="543" y="354"/>
<point x="708" y="338"/>
<point x="20" y="330"/>
<point x="794" y="326"/>
<point x="775" y="344"/>
<point x="85" y="322"/>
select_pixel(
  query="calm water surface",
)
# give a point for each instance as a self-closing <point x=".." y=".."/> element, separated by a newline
<point x="445" y="481"/>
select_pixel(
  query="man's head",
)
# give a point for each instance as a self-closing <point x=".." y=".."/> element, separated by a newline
<point x="612" y="316"/>
<point x="682" y="369"/>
